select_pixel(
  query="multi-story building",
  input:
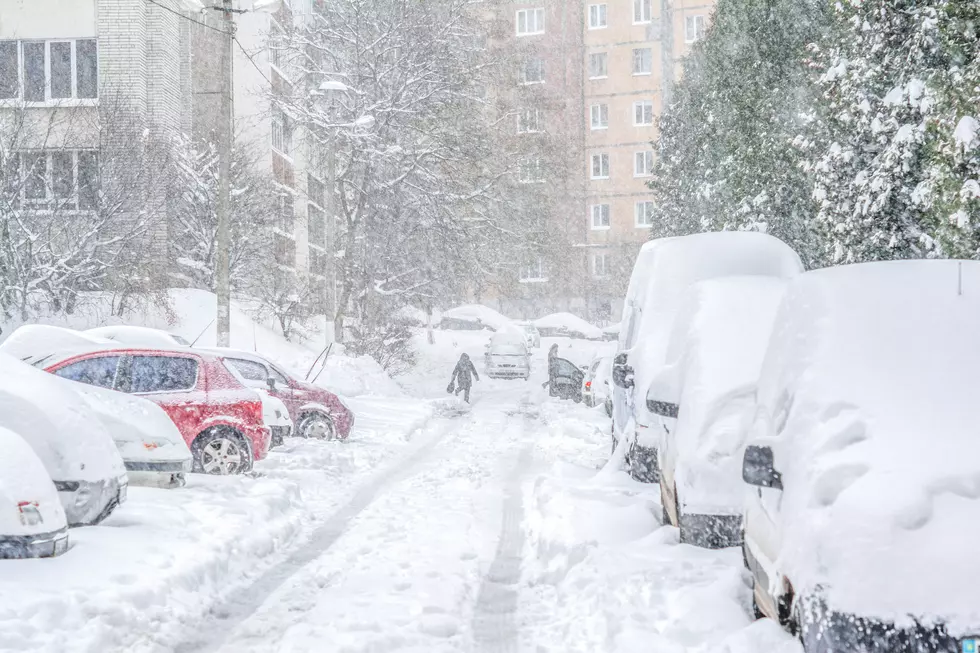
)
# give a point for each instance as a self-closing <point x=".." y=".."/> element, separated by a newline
<point x="633" y="51"/>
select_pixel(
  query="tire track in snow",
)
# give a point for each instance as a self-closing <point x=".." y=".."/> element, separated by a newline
<point x="494" y="617"/>
<point x="226" y="616"/>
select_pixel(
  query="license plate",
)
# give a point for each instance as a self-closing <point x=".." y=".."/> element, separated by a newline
<point x="971" y="645"/>
<point x="60" y="546"/>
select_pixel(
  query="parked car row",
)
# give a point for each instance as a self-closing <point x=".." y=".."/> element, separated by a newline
<point x="98" y="413"/>
<point x="823" y="421"/>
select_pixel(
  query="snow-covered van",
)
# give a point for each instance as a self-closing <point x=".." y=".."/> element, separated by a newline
<point x="863" y="461"/>
<point x="704" y="396"/>
<point x="507" y="356"/>
<point x="664" y="273"/>
<point x="68" y="437"/>
<point x="32" y="519"/>
<point x="151" y="446"/>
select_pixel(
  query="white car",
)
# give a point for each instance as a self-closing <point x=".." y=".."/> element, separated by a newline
<point x="597" y="384"/>
<point x="68" y="437"/>
<point x="663" y="275"/>
<point x="532" y="337"/>
<point x="863" y="463"/>
<point x="704" y="397"/>
<point x="137" y="336"/>
<point x="32" y="519"/>
<point x="151" y="447"/>
<point x="507" y="357"/>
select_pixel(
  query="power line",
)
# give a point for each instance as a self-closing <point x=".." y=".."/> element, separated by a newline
<point x="193" y="20"/>
<point x="249" y="57"/>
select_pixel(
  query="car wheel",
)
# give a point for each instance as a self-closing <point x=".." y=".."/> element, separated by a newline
<point x="222" y="452"/>
<point x="317" y="426"/>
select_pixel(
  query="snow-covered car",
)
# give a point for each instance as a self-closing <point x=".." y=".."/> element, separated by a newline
<point x="664" y="273"/>
<point x="473" y="317"/>
<point x="567" y="325"/>
<point x="532" y="337"/>
<point x="138" y="336"/>
<point x="507" y="356"/>
<point x="69" y="438"/>
<point x="151" y="446"/>
<point x="597" y="384"/>
<point x="32" y="519"/>
<point x="315" y="411"/>
<point x="704" y="396"/>
<point x="863" y="461"/>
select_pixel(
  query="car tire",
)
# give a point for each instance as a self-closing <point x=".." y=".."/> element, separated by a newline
<point x="221" y="451"/>
<point x="317" y="426"/>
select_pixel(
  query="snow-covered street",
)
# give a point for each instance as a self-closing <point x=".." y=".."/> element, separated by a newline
<point x="437" y="527"/>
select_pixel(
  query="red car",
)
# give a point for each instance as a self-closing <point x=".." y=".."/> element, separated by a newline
<point x="316" y="412"/>
<point x="220" y="419"/>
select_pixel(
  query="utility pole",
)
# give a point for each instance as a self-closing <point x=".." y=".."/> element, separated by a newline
<point x="330" y="307"/>
<point x="223" y="236"/>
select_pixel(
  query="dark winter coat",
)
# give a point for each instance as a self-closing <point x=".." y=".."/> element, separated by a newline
<point x="464" y="372"/>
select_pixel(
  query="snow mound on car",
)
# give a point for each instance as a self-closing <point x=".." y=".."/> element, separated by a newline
<point x="478" y="314"/>
<point x="873" y="377"/>
<point x="570" y="324"/>
<point x="23" y="478"/>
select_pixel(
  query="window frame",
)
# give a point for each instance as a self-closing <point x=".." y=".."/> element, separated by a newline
<point x="603" y="211"/>
<point x="641" y="7"/>
<point x="604" y="166"/>
<point x="698" y="22"/>
<point x="524" y="79"/>
<point x="119" y="358"/>
<point x="132" y="360"/>
<point x="74" y="98"/>
<point x="532" y="271"/>
<point x="601" y="10"/>
<point x="602" y="108"/>
<point x="531" y="171"/>
<point x="641" y="206"/>
<point x="525" y="126"/>
<point x="649" y="61"/>
<point x="536" y="12"/>
<point x="596" y="272"/>
<point x="643" y="104"/>
<point x="599" y="56"/>
<point x="648" y="156"/>
<point x="76" y="201"/>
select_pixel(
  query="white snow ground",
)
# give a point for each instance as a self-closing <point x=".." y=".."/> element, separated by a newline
<point x="436" y="527"/>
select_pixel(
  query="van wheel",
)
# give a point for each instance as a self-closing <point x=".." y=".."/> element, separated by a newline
<point x="221" y="451"/>
<point x="317" y="426"/>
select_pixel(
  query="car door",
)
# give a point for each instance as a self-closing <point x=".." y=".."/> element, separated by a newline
<point x="172" y="382"/>
<point x="285" y="391"/>
<point x="568" y="378"/>
<point x="97" y="370"/>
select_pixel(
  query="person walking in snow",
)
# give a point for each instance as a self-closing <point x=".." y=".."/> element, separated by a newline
<point x="463" y="377"/>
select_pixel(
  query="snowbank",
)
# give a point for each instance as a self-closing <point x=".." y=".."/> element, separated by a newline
<point x="473" y="316"/>
<point x="566" y="324"/>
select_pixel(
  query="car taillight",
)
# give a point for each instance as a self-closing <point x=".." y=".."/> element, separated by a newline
<point x="588" y="385"/>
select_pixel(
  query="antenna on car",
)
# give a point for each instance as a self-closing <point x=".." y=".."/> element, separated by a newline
<point x="959" y="281"/>
<point x="193" y="342"/>
<point x="329" y="347"/>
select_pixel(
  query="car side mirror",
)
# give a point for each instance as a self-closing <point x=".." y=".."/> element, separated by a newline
<point x="622" y="373"/>
<point x="663" y="395"/>
<point x="271" y="382"/>
<point x="758" y="468"/>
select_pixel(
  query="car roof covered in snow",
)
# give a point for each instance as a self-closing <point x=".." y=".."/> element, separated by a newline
<point x="716" y="351"/>
<point x="639" y="279"/>
<point x="570" y="323"/>
<point x="58" y="424"/>
<point x="478" y="313"/>
<point x="869" y="387"/>
<point x="139" y="336"/>
<point x="24" y="480"/>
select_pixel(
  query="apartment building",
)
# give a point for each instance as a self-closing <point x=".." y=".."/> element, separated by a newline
<point x="633" y="51"/>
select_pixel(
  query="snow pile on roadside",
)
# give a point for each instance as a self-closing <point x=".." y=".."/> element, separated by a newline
<point x="477" y="314"/>
<point x="601" y="574"/>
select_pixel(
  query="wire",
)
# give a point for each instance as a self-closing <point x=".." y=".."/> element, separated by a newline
<point x="249" y="57"/>
<point x="193" y="20"/>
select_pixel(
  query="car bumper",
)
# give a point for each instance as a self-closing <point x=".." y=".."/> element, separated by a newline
<point x="279" y="434"/>
<point x="89" y="502"/>
<point x="166" y="474"/>
<point x="711" y="531"/>
<point x="45" y="545"/>
<point x="508" y="373"/>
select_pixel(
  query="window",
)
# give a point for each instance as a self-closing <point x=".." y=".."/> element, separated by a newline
<point x="49" y="71"/>
<point x="529" y="121"/>
<point x="282" y="132"/>
<point x="643" y="113"/>
<point x="600" y="116"/>
<point x="600" y="166"/>
<point x="530" y="21"/>
<point x="600" y="216"/>
<point x="533" y="271"/>
<point x="642" y="61"/>
<point x="532" y="171"/>
<point x="59" y="179"/>
<point x="644" y="214"/>
<point x="279" y="377"/>
<point x="643" y="164"/>
<point x="532" y="71"/>
<point x="249" y="370"/>
<point x="693" y="28"/>
<point x="315" y="224"/>
<point x="600" y="264"/>
<point x="162" y="374"/>
<point x="642" y="11"/>
<point x="100" y="372"/>
<point x="597" y="16"/>
<point x="598" y="65"/>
